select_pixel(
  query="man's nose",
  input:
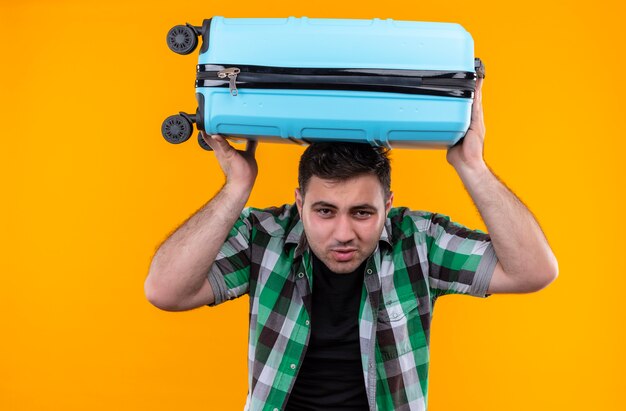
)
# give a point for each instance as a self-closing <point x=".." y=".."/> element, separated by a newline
<point x="343" y="232"/>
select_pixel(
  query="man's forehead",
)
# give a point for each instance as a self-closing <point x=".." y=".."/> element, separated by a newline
<point x="330" y="183"/>
<point x="360" y="191"/>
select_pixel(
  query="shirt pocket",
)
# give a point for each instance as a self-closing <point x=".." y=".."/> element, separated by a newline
<point x="395" y="310"/>
<point x="398" y="319"/>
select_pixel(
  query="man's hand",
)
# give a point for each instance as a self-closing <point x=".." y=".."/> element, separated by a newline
<point x="469" y="153"/>
<point x="240" y="167"/>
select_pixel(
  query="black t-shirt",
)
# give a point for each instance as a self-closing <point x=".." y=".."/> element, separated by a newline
<point x="331" y="377"/>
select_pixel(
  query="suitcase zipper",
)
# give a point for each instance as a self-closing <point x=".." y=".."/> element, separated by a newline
<point x="431" y="82"/>
<point x="231" y="73"/>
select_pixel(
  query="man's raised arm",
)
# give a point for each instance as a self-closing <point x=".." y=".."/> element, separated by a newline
<point x="177" y="279"/>
<point x="526" y="261"/>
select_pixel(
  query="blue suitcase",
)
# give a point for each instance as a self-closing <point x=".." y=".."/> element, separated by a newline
<point x="385" y="82"/>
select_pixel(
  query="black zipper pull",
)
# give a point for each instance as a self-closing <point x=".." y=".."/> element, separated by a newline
<point x="479" y="66"/>
<point x="231" y="73"/>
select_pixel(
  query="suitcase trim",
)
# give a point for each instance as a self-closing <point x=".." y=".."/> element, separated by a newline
<point x="429" y="82"/>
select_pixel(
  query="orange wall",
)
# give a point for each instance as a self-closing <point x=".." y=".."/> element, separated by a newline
<point x="90" y="188"/>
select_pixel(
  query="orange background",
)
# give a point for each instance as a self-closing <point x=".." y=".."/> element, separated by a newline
<point x="90" y="188"/>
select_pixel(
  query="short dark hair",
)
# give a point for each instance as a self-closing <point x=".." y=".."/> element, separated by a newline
<point x="341" y="161"/>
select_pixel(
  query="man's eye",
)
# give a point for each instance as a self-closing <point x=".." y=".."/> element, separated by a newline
<point x="324" y="212"/>
<point x="363" y="213"/>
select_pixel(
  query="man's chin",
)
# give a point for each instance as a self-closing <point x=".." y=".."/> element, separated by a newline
<point x="343" y="267"/>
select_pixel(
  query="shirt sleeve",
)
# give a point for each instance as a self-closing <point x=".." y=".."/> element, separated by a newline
<point x="461" y="261"/>
<point x="229" y="275"/>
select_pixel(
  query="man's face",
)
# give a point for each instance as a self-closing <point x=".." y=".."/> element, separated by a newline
<point x="343" y="219"/>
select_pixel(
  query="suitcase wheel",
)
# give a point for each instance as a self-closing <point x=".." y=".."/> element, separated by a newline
<point x="203" y="143"/>
<point x="182" y="39"/>
<point x="177" y="129"/>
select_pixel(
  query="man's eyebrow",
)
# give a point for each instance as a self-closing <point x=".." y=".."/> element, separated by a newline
<point x="363" y="207"/>
<point x="323" y="204"/>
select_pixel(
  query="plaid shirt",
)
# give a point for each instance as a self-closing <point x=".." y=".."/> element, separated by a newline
<point x="420" y="256"/>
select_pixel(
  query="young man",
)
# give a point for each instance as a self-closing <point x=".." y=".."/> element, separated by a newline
<point x="342" y="286"/>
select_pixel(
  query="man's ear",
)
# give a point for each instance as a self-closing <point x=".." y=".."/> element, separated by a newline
<point x="389" y="203"/>
<point x="299" y="201"/>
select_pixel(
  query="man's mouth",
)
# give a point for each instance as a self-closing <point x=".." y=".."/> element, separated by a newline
<point x="343" y="254"/>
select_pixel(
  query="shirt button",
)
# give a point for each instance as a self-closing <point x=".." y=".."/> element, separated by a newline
<point x="276" y="409"/>
<point x="369" y="270"/>
<point x="300" y="275"/>
<point x="293" y="366"/>
<point x="307" y="322"/>
<point x="394" y="315"/>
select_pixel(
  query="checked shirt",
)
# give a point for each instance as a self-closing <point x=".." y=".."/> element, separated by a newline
<point x="420" y="256"/>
